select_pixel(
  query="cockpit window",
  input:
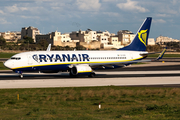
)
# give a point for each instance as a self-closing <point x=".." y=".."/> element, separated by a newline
<point x="15" y="58"/>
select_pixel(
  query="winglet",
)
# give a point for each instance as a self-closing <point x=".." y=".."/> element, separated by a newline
<point x="49" y="47"/>
<point x="162" y="54"/>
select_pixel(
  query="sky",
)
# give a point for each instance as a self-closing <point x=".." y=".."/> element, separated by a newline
<point x="66" y="16"/>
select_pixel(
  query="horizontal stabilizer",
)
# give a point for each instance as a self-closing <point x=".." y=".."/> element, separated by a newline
<point x="143" y="54"/>
<point x="162" y="54"/>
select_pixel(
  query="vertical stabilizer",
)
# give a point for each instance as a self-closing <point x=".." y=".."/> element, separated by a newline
<point x="48" y="48"/>
<point x="140" y="41"/>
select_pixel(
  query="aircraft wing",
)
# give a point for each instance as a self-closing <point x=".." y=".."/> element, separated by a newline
<point x="116" y="64"/>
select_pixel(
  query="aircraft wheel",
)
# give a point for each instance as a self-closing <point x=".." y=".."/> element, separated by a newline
<point x="21" y="75"/>
<point x="72" y="75"/>
<point x="92" y="74"/>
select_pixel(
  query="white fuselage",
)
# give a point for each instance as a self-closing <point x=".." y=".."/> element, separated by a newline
<point x="61" y="60"/>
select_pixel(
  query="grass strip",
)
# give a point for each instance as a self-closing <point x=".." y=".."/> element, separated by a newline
<point x="6" y="55"/>
<point x="81" y="103"/>
<point x="2" y="67"/>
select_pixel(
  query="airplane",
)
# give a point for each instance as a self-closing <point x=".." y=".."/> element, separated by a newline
<point x="83" y="62"/>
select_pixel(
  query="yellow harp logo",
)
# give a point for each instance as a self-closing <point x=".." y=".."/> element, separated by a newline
<point x="142" y="35"/>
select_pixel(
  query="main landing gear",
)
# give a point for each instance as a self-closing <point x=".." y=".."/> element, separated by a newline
<point x="92" y="74"/>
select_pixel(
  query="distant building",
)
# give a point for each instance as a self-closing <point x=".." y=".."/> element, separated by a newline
<point x="84" y="36"/>
<point x="106" y="33"/>
<point x="115" y="42"/>
<point x="161" y="40"/>
<point x="108" y="40"/>
<point x="125" y="37"/>
<point x="103" y="39"/>
<point x="57" y="39"/>
<point x="54" y="38"/>
<point x="90" y="36"/>
<point x="65" y="37"/>
<point x="76" y="35"/>
<point x="151" y="41"/>
<point x="11" y="36"/>
<point x="30" y="32"/>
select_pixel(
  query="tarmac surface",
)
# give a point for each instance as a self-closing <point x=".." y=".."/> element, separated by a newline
<point x="153" y="74"/>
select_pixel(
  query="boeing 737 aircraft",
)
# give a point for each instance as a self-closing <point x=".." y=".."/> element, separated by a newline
<point x="82" y="62"/>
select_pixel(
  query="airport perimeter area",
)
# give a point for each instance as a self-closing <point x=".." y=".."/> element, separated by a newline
<point x="142" y="91"/>
<point x="152" y="73"/>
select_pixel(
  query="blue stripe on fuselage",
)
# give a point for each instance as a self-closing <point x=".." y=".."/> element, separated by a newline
<point x="61" y="67"/>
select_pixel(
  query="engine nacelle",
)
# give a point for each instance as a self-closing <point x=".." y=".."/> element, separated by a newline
<point x="81" y="69"/>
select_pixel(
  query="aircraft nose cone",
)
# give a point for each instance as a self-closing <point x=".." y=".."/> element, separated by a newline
<point x="7" y="64"/>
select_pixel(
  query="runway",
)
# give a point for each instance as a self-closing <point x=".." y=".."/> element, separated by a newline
<point x="153" y="74"/>
<point x="102" y="79"/>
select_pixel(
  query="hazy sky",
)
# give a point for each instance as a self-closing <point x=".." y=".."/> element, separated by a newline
<point x="71" y="15"/>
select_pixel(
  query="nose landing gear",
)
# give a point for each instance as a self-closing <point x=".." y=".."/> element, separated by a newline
<point x="20" y="74"/>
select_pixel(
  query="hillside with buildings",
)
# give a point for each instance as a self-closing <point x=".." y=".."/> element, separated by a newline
<point x="89" y="38"/>
<point x="162" y="40"/>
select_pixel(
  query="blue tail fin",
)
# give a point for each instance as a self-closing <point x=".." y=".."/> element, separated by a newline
<point x="140" y="41"/>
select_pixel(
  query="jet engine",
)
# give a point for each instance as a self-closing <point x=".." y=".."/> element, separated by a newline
<point x="81" y="69"/>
